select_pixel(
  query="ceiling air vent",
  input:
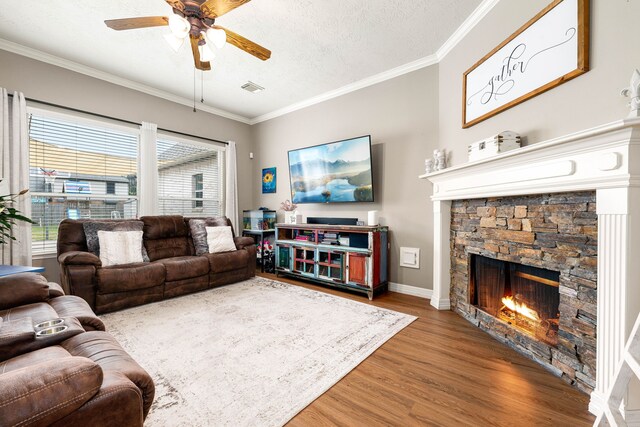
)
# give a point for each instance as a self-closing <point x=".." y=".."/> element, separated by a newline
<point x="252" y="87"/>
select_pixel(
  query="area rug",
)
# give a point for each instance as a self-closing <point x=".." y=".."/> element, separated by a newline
<point x="253" y="353"/>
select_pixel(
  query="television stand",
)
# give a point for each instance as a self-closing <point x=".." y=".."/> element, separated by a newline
<point x="341" y="256"/>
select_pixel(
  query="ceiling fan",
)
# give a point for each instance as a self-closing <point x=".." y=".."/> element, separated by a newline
<point x="196" y="19"/>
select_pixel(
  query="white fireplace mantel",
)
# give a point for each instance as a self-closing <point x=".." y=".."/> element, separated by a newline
<point x="605" y="159"/>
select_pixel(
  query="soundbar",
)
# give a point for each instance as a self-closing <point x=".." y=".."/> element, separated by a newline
<point x="332" y="221"/>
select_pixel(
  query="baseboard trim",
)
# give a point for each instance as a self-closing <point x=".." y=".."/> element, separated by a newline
<point x="410" y="290"/>
<point x="441" y="304"/>
<point x="596" y="403"/>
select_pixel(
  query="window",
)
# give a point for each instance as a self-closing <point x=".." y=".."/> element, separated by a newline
<point x="79" y="168"/>
<point x="197" y="190"/>
<point x="82" y="168"/>
<point x="189" y="178"/>
<point x="111" y="187"/>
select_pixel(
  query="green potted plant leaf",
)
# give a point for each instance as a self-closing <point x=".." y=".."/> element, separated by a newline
<point x="9" y="215"/>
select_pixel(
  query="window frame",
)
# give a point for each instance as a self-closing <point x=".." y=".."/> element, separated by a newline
<point x="89" y="120"/>
<point x="83" y="120"/>
<point x="221" y="160"/>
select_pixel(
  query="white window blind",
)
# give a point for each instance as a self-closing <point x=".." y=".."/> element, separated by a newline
<point x="79" y="169"/>
<point x="189" y="178"/>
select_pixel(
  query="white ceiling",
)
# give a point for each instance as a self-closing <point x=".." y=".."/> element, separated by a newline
<point x="319" y="47"/>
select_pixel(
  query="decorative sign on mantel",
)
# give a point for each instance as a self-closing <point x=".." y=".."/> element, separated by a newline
<point x="547" y="51"/>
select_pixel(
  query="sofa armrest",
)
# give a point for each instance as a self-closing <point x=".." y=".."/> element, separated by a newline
<point x="79" y="258"/>
<point x="55" y="290"/>
<point x="118" y="366"/>
<point x="21" y="289"/>
<point x="243" y="242"/>
<point x="80" y="280"/>
<point x="75" y="306"/>
<point x="42" y="394"/>
<point x="20" y="336"/>
<point x="15" y="335"/>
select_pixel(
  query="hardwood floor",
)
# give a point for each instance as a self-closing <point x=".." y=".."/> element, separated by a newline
<point x="441" y="370"/>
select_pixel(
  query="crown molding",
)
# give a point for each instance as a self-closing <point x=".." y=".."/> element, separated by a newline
<point x="361" y="84"/>
<point x="476" y="16"/>
<point x="111" y="78"/>
<point x="463" y="30"/>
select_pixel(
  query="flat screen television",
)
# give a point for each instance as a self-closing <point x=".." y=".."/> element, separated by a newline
<point x="336" y="172"/>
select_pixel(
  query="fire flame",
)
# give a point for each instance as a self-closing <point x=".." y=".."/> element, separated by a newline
<point x="512" y="305"/>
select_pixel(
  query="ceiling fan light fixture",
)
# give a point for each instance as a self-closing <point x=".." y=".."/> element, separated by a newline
<point x="175" y="42"/>
<point x="217" y="36"/>
<point x="179" y="26"/>
<point x="206" y="53"/>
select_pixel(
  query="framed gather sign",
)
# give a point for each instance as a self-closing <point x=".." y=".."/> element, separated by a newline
<point x="547" y="51"/>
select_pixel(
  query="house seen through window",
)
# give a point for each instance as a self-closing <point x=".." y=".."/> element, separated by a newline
<point x="189" y="178"/>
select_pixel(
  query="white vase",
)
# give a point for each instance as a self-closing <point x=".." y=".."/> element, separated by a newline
<point x="292" y="217"/>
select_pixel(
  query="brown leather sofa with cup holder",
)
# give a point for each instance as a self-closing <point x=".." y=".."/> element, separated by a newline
<point x="58" y="366"/>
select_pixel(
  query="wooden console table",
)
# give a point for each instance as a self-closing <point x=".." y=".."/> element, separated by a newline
<point x="347" y="257"/>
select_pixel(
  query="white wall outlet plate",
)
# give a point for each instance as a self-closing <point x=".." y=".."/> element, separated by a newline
<point x="410" y="257"/>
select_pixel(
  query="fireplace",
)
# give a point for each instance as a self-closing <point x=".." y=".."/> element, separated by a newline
<point x="523" y="269"/>
<point x="599" y="295"/>
<point x="525" y="297"/>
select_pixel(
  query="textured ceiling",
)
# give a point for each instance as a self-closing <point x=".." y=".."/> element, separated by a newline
<point x="318" y="45"/>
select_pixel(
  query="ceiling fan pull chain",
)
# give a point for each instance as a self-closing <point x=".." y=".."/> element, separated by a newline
<point x="194" y="90"/>
<point x="202" y="86"/>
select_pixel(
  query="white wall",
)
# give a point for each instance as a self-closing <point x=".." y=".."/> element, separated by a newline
<point x="406" y="127"/>
<point x="401" y="116"/>
<point x="584" y="102"/>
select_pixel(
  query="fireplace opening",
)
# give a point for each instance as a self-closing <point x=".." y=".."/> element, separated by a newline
<point x="523" y="296"/>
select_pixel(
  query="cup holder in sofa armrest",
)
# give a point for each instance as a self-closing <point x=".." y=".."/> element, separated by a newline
<point x="22" y="336"/>
<point x="48" y="324"/>
<point x="55" y="331"/>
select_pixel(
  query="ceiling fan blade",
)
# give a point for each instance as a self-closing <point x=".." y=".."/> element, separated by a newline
<point x="247" y="45"/>
<point x="133" y="23"/>
<point x="204" y="66"/>
<point x="176" y="4"/>
<point x="215" y="8"/>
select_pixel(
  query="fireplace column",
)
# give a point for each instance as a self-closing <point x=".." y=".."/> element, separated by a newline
<point x="618" y="212"/>
<point x="441" y="254"/>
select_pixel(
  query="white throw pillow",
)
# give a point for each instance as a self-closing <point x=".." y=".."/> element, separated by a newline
<point x="220" y="239"/>
<point x="120" y="247"/>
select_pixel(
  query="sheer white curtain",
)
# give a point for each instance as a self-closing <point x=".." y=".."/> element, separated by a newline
<point x="14" y="143"/>
<point x="148" y="169"/>
<point x="231" y="187"/>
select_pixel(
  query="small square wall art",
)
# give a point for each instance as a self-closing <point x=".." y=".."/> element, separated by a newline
<point x="268" y="180"/>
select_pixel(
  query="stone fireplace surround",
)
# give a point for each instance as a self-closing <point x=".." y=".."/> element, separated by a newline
<point x="604" y="159"/>
<point x="556" y="232"/>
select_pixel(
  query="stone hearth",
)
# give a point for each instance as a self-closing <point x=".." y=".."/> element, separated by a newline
<point x="604" y="160"/>
<point x="556" y="232"/>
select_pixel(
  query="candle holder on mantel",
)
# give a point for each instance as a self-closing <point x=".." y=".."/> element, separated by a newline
<point x="437" y="163"/>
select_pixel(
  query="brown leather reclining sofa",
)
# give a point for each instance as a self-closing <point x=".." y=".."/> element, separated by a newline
<point x="173" y="269"/>
<point x="79" y="376"/>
